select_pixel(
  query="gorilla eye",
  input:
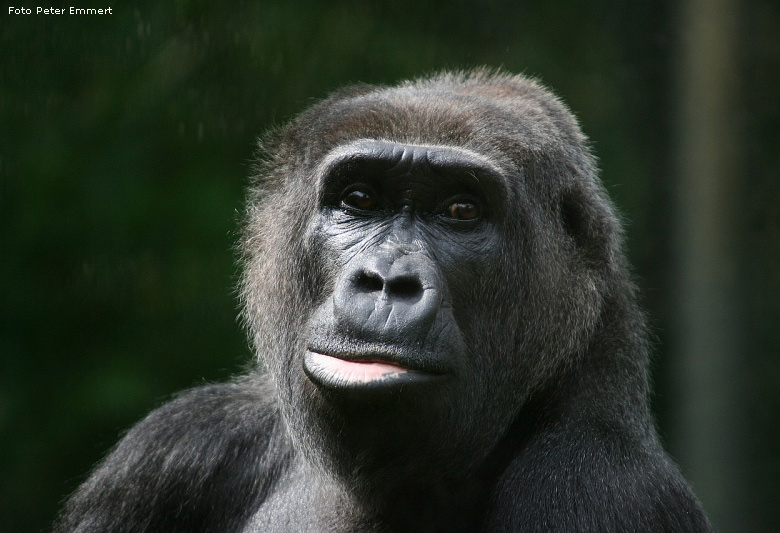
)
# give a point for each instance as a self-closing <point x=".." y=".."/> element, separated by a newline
<point x="359" y="199"/>
<point x="463" y="210"/>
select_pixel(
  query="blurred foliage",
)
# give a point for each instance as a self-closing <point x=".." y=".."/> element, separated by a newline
<point x="126" y="139"/>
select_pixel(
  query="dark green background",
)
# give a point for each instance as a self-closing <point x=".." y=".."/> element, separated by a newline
<point x="126" y="140"/>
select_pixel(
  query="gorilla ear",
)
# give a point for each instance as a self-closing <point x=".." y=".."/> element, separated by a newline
<point x="587" y="219"/>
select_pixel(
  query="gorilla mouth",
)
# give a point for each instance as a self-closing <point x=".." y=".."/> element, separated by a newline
<point x="370" y="371"/>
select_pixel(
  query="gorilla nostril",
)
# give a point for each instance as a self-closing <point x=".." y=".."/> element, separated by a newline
<point x="404" y="287"/>
<point x="369" y="282"/>
<point x="396" y="287"/>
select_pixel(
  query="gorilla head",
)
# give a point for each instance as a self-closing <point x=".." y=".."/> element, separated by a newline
<point x="420" y="260"/>
<point x="434" y="283"/>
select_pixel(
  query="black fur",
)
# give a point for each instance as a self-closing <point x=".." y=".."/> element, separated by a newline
<point x="480" y="261"/>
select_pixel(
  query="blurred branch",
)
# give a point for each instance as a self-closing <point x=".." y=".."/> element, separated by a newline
<point x="709" y="341"/>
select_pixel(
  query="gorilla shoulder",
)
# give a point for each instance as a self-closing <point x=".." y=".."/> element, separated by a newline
<point x="200" y="462"/>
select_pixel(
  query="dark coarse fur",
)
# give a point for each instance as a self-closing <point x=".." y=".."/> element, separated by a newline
<point x="543" y="423"/>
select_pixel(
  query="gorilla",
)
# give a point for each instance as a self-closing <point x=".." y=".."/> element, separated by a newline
<point x="447" y="334"/>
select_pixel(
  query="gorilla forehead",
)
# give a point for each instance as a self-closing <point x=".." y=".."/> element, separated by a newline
<point x="406" y="156"/>
<point x="497" y="116"/>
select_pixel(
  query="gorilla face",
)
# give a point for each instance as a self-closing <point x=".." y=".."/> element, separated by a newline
<point x="433" y="271"/>
<point x="408" y="229"/>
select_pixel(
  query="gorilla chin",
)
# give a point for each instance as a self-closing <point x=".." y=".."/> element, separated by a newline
<point x="447" y="333"/>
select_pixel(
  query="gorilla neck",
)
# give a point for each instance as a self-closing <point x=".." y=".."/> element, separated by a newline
<point x="453" y="503"/>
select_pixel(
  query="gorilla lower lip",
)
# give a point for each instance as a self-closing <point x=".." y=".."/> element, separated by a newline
<point x="355" y="371"/>
<point x="334" y="372"/>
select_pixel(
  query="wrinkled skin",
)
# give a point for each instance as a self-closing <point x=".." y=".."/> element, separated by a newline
<point x="449" y="339"/>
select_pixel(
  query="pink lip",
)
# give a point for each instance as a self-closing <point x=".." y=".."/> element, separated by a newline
<point x="357" y="372"/>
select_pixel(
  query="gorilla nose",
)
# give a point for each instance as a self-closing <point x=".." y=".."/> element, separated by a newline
<point x="388" y="300"/>
<point x="403" y="287"/>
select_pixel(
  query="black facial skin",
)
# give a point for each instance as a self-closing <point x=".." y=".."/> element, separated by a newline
<point x="403" y="224"/>
<point x="448" y="338"/>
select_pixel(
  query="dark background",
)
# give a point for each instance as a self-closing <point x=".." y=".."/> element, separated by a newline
<point x="126" y="140"/>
